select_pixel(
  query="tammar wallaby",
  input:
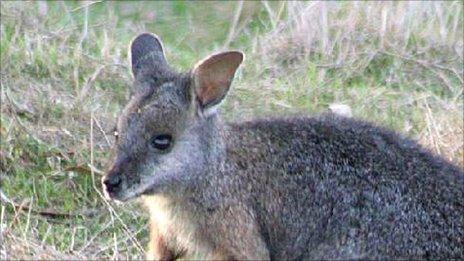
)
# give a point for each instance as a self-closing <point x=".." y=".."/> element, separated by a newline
<point x="286" y="188"/>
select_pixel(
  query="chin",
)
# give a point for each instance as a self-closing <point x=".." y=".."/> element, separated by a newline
<point x="163" y="184"/>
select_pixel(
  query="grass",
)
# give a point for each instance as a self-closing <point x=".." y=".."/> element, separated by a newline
<point x="65" y="77"/>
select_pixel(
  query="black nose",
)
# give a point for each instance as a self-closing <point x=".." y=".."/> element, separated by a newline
<point x="112" y="183"/>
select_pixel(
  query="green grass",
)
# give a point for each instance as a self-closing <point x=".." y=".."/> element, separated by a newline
<point x="65" y="76"/>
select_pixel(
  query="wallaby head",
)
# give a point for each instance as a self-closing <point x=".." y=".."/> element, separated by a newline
<point x="161" y="133"/>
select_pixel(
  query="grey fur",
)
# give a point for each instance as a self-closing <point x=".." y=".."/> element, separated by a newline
<point x="297" y="188"/>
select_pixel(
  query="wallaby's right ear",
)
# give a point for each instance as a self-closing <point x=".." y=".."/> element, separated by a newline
<point x="147" y="52"/>
<point x="212" y="77"/>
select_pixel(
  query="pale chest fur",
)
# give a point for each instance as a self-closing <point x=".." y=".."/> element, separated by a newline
<point x="178" y="227"/>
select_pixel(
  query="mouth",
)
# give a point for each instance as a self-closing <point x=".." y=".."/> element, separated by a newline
<point x="111" y="196"/>
<point x="121" y="196"/>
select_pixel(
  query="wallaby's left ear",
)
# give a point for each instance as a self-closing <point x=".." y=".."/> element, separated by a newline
<point x="212" y="77"/>
<point x="147" y="52"/>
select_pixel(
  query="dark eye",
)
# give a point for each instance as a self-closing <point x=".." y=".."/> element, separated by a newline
<point x="161" y="142"/>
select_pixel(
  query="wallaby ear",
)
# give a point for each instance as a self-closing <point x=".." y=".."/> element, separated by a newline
<point x="147" y="51"/>
<point x="212" y="77"/>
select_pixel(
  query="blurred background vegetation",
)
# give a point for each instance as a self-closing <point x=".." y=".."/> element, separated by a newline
<point x="65" y="77"/>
